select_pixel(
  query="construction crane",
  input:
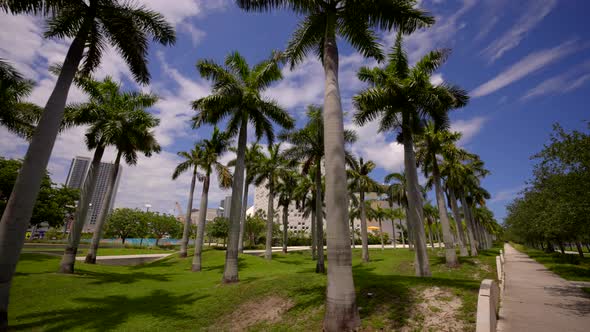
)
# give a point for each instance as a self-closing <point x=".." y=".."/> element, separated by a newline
<point x="180" y="217"/>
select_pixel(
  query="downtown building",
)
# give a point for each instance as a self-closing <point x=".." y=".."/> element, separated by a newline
<point x="76" y="177"/>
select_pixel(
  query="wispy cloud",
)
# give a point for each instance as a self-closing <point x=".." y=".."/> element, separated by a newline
<point x="526" y="66"/>
<point x="531" y="17"/>
<point x="560" y="84"/>
<point x="506" y="195"/>
<point x="469" y="128"/>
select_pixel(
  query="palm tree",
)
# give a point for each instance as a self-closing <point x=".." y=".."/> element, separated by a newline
<point x="402" y="98"/>
<point x="131" y="133"/>
<point x="286" y="189"/>
<point x="251" y="157"/>
<point x="354" y="21"/>
<point x="430" y="144"/>
<point x="191" y="160"/>
<point x="211" y="151"/>
<point x="92" y="25"/>
<point x="16" y="115"/>
<point x="399" y="214"/>
<point x="270" y="169"/>
<point x="430" y="215"/>
<point x="237" y="94"/>
<point x="361" y="182"/>
<point x="305" y="195"/>
<point x="105" y="113"/>
<point x="308" y="148"/>
<point x="378" y="213"/>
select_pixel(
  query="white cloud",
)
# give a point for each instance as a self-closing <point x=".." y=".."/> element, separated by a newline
<point x="196" y="34"/>
<point x="469" y="128"/>
<point x="527" y="65"/>
<point x="371" y="145"/>
<point x="531" y="17"/>
<point x="437" y="79"/>
<point x="560" y="84"/>
<point x="506" y="195"/>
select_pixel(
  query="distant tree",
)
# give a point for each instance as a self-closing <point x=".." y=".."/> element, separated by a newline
<point x="219" y="228"/>
<point x="161" y="225"/>
<point x="254" y="227"/>
<point x="125" y="223"/>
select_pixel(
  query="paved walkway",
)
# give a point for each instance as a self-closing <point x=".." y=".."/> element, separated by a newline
<point x="536" y="299"/>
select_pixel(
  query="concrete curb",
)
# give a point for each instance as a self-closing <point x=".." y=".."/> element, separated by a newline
<point x="488" y="303"/>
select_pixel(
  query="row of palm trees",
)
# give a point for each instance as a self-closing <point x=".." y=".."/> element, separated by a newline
<point x="400" y="97"/>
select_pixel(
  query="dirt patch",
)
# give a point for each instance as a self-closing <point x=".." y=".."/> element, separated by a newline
<point x="268" y="309"/>
<point x="436" y="310"/>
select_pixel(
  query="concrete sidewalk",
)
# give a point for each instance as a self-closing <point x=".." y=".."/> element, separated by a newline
<point x="536" y="299"/>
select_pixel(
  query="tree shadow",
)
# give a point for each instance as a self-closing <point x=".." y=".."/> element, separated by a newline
<point x="36" y="257"/>
<point x="120" y="278"/>
<point x="107" y="313"/>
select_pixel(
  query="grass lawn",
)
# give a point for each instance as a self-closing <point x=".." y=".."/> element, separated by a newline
<point x="166" y="296"/>
<point x="101" y="251"/>
<point x="568" y="266"/>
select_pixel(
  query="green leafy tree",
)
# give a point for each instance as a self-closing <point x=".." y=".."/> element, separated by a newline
<point x="401" y="98"/>
<point x="355" y="22"/>
<point x="125" y="223"/>
<point x="237" y="95"/>
<point x="161" y="225"/>
<point x="219" y="228"/>
<point x="254" y="227"/>
<point x="92" y="26"/>
<point x="212" y="149"/>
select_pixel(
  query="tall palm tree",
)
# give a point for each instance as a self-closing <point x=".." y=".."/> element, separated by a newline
<point x="92" y="25"/>
<point x="251" y="157"/>
<point x="211" y="151"/>
<point x="16" y="115"/>
<point x="430" y="144"/>
<point x="191" y="161"/>
<point x="306" y="202"/>
<point x="402" y="97"/>
<point x="237" y="94"/>
<point x="380" y="214"/>
<point x="354" y="21"/>
<point x="430" y="215"/>
<point x="132" y="133"/>
<point x="269" y="170"/>
<point x="398" y="214"/>
<point x="361" y="182"/>
<point x="286" y="190"/>
<point x="308" y="148"/>
<point x="105" y="112"/>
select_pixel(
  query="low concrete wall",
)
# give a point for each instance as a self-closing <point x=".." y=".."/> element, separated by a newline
<point x="488" y="303"/>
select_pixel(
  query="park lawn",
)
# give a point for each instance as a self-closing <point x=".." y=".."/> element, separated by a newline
<point x="166" y="296"/>
<point x="567" y="266"/>
<point x="102" y="251"/>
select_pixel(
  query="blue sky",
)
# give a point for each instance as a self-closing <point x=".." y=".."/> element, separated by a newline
<point x="525" y="63"/>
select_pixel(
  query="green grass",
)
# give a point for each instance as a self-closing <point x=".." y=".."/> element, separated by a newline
<point x="166" y="296"/>
<point x="567" y="266"/>
<point x="586" y="289"/>
<point x="101" y="251"/>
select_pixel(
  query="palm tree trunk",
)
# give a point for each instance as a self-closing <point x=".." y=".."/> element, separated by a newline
<point x="393" y="226"/>
<point x="401" y="227"/>
<point x="415" y="215"/>
<point x="459" y="229"/>
<point x="285" y="227"/>
<point x="69" y="257"/>
<point x="230" y="271"/>
<point x="92" y="252"/>
<point x="197" y="258"/>
<point x="381" y="233"/>
<point x="430" y="235"/>
<point x="364" y="233"/>
<point x="341" y="310"/>
<point x="187" y="219"/>
<point x="243" y="216"/>
<point x="19" y="208"/>
<point x="319" y="214"/>
<point x="269" y="221"/>
<point x="450" y="252"/>
<point x="352" y="231"/>
<point x="472" y="242"/>
<point x="313" y="234"/>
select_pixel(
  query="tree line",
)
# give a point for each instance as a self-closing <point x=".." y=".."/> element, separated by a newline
<point x="554" y="207"/>
<point x="399" y="96"/>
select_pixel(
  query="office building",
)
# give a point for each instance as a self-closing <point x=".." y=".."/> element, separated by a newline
<point x="224" y="207"/>
<point x="76" y="177"/>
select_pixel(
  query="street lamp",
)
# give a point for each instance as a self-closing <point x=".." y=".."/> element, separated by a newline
<point x="147" y="207"/>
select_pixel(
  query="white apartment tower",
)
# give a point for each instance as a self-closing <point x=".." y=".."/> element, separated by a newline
<point x="76" y="177"/>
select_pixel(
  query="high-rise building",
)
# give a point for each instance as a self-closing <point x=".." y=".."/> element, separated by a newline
<point x="76" y="177"/>
<point x="224" y="207"/>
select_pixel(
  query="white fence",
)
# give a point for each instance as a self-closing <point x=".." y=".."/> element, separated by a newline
<point x="488" y="301"/>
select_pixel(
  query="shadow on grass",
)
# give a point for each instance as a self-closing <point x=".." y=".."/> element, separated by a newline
<point x="219" y="268"/>
<point x="36" y="257"/>
<point x="107" y="313"/>
<point x="120" y="278"/>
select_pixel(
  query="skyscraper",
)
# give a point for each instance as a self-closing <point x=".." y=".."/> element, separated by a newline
<point x="77" y="176"/>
